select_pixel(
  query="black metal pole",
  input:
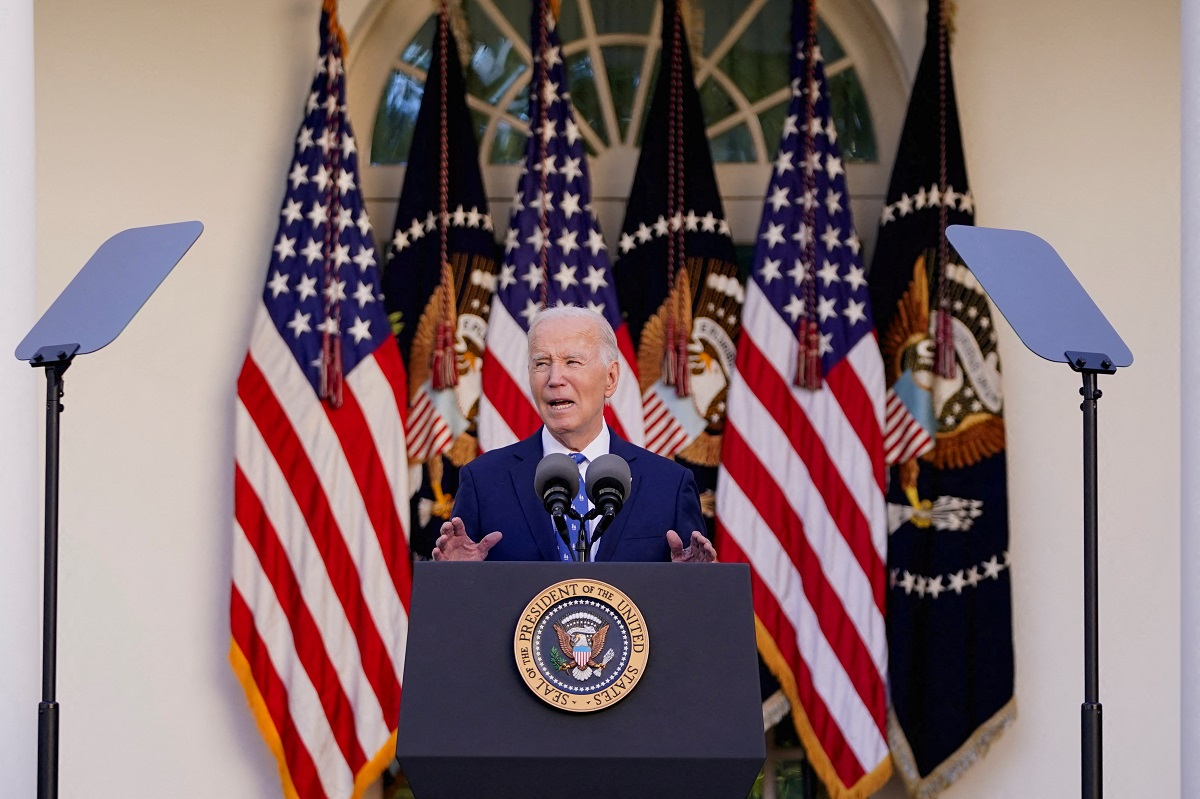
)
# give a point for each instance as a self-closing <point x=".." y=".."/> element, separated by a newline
<point x="47" y="786"/>
<point x="1091" y="709"/>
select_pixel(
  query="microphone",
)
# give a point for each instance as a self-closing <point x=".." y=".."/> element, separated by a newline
<point x="555" y="482"/>
<point x="608" y="483"/>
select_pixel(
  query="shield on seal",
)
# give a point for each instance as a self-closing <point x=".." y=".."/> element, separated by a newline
<point x="582" y="650"/>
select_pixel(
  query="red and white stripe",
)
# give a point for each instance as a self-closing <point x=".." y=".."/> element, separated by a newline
<point x="507" y="413"/>
<point x="664" y="435"/>
<point x="905" y="438"/>
<point x="427" y="431"/>
<point x="800" y="497"/>
<point x="321" y="568"/>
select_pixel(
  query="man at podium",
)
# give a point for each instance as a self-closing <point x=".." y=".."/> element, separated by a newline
<point x="573" y="369"/>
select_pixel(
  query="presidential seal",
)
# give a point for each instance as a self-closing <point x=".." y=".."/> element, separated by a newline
<point x="581" y="645"/>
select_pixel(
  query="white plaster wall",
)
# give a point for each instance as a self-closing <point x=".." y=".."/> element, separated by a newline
<point x="150" y="113"/>
<point x="1070" y="113"/>
<point x="20" y="464"/>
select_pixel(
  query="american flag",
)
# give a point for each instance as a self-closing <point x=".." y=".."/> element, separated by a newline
<point x="321" y="569"/>
<point x="800" y="488"/>
<point x="554" y="254"/>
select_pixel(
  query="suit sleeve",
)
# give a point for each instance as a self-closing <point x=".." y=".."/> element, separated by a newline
<point x="466" y="503"/>
<point x="688" y="516"/>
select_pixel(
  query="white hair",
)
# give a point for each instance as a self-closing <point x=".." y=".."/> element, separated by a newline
<point x="599" y="326"/>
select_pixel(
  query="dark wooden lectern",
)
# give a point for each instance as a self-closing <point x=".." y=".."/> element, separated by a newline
<point x="470" y="728"/>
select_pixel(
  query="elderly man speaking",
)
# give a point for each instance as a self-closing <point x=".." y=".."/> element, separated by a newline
<point x="573" y="369"/>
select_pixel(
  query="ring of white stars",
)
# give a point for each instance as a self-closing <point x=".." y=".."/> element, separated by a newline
<point x="931" y="586"/>
<point x="927" y="199"/>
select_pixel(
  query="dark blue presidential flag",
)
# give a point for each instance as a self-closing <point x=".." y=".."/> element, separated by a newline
<point x="677" y="274"/>
<point x="949" y="613"/>
<point x="438" y="286"/>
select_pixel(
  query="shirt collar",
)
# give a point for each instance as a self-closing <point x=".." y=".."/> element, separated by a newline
<point x="598" y="446"/>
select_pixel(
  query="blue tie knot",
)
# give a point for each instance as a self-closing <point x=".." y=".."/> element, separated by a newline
<point x="578" y="457"/>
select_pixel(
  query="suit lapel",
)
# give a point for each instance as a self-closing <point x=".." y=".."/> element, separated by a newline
<point x="528" y="454"/>
<point x="608" y="543"/>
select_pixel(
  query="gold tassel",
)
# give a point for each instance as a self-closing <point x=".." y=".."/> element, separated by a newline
<point x="445" y="360"/>
<point x="808" y="356"/>
<point x="670" y="364"/>
<point x="944" y="341"/>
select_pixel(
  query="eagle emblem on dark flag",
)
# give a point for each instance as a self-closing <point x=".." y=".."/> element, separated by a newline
<point x="438" y="286"/>
<point x="949" y="607"/>
<point x="677" y="275"/>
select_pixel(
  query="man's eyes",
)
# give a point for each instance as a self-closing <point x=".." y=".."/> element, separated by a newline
<point x="541" y="366"/>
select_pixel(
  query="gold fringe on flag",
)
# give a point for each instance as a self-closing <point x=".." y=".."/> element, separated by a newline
<point x="335" y="27"/>
<point x="818" y="758"/>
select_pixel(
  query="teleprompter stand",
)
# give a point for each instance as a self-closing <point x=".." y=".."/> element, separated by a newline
<point x="92" y="311"/>
<point x="470" y="727"/>
<point x="1056" y="319"/>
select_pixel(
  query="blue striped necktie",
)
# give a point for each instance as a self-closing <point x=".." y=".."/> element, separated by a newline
<point x="580" y="503"/>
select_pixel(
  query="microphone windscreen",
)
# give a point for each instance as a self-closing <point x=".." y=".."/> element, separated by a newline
<point x="556" y="469"/>
<point x="608" y="471"/>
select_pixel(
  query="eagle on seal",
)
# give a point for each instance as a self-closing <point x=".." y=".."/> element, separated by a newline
<point x="580" y="649"/>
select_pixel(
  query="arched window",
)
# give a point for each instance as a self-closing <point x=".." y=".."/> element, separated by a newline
<point x="740" y="54"/>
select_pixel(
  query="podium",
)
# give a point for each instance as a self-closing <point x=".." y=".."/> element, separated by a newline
<point x="471" y="727"/>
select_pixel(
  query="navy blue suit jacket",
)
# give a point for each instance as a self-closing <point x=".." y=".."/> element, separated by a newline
<point x="495" y="492"/>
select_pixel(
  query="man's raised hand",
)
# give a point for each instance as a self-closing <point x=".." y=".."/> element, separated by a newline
<point x="455" y="544"/>
<point x="700" y="550"/>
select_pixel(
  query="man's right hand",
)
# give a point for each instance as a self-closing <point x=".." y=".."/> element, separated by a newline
<point x="455" y="544"/>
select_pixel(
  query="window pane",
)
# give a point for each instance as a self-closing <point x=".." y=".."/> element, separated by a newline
<point x="856" y="134"/>
<point x="419" y="52"/>
<point x="584" y="96"/>
<point x="772" y="126"/>
<point x="517" y="12"/>
<point x="570" y="26"/>
<point x="734" y="146"/>
<point x="759" y="61"/>
<point x="718" y="17"/>
<point x="621" y="16"/>
<point x="624" y="65"/>
<point x="395" y="119"/>
<point x="831" y="48"/>
<point x="495" y="63"/>
<point x="715" y="104"/>
<point x="509" y="145"/>
<point x="519" y="107"/>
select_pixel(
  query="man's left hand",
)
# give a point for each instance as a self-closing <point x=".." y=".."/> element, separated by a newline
<point x="700" y="550"/>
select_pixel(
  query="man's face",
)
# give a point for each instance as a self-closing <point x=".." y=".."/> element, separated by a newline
<point x="569" y="380"/>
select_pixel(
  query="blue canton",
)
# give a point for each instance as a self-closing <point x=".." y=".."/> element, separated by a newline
<point x="323" y="289"/>
<point x="578" y="271"/>
<point x="791" y="250"/>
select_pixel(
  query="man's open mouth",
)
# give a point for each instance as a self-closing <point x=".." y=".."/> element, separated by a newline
<point x="560" y="403"/>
